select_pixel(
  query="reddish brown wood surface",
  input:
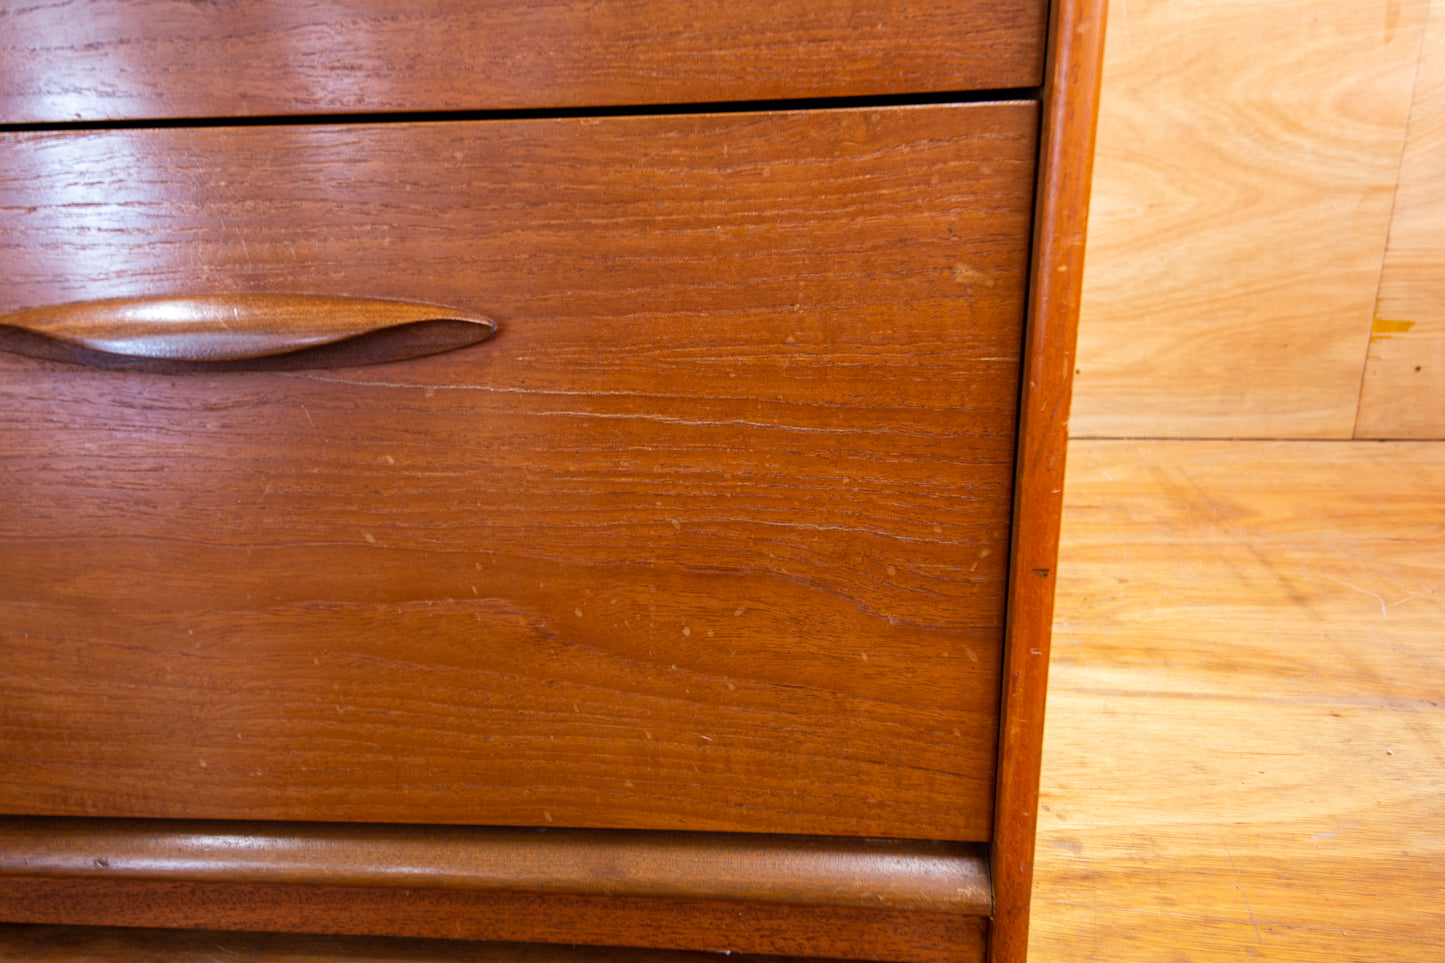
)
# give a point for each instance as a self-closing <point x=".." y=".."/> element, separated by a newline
<point x="110" y="59"/>
<point x="843" y="932"/>
<point x="712" y="536"/>
<point x="1066" y="158"/>
<point x="924" y="876"/>
<point x="24" y="943"/>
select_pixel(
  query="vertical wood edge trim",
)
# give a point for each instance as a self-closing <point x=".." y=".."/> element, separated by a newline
<point x="1071" y="95"/>
<point x="903" y="875"/>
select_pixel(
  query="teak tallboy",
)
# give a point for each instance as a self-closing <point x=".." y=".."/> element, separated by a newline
<point x="481" y="481"/>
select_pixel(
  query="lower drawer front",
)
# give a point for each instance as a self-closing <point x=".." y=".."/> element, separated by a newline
<point x="712" y="535"/>
<point x="906" y="901"/>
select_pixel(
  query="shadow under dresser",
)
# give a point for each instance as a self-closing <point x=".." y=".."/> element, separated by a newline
<point x="535" y="473"/>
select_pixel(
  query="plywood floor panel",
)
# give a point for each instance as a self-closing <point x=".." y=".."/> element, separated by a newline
<point x="1245" y="747"/>
<point x="1404" y="389"/>
<point x="1244" y="176"/>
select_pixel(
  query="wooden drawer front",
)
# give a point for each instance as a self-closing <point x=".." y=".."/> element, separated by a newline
<point x="115" y="59"/>
<point x="712" y="535"/>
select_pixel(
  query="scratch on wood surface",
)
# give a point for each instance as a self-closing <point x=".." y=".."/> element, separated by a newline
<point x="1384" y="609"/>
<point x="1064" y="624"/>
<point x="1234" y="870"/>
<point x="606" y="393"/>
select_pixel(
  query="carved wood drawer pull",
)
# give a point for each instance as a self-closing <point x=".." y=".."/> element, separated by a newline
<point x="239" y="332"/>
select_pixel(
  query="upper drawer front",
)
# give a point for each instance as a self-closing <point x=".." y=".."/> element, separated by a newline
<point x="116" y="59"/>
<point x="713" y="533"/>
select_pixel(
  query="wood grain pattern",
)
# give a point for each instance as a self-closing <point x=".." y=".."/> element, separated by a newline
<point x="843" y="932"/>
<point x="81" y="944"/>
<point x="1404" y="389"/>
<point x="1245" y="752"/>
<point x="1070" y="102"/>
<point x="117" y="59"/>
<point x="712" y="537"/>
<point x="921" y="876"/>
<point x="1247" y="158"/>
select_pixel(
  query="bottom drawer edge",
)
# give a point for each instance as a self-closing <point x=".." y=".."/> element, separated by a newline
<point x="861" y="899"/>
<point x="38" y="943"/>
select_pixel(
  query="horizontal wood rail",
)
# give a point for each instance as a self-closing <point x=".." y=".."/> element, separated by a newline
<point x="98" y="944"/>
<point x="904" y="875"/>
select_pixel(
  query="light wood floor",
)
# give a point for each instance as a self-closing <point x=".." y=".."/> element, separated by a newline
<point x="1245" y="753"/>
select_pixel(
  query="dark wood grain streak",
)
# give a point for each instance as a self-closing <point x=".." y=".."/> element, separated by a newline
<point x="1066" y="163"/>
<point x="119" y="59"/>
<point x="712" y="537"/>
<point x="891" y="874"/>
<point x="30" y="943"/>
<point x="842" y="932"/>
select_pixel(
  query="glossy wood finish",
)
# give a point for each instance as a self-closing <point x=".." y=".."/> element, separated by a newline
<point x="844" y="932"/>
<point x="81" y="944"/>
<point x="1403" y="395"/>
<point x="807" y="870"/>
<point x="1070" y="102"/>
<point x="115" y="59"/>
<point x="1245" y="752"/>
<point x="1248" y="155"/>
<point x="713" y="538"/>
<point x="238" y="331"/>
